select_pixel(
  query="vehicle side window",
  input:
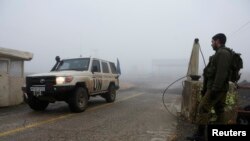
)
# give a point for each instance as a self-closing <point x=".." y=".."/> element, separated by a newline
<point x="113" y="68"/>
<point x="96" y="66"/>
<point x="105" y="67"/>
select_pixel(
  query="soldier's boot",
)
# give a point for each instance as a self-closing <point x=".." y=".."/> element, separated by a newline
<point x="199" y="135"/>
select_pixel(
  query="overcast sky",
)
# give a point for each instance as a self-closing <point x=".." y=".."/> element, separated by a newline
<point x="135" y="31"/>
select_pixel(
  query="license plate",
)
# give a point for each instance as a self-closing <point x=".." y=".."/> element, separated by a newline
<point x="37" y="91"/>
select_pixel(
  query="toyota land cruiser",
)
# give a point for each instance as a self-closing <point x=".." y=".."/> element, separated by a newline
<point x="73" y="81"/>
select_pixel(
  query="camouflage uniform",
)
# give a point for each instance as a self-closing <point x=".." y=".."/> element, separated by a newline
<point x="215" y="86"/>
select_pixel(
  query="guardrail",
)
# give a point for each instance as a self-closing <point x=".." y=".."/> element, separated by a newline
<point x="244" y="86"/>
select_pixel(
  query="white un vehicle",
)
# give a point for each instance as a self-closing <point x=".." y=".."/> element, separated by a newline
<point x="73" y="81"/>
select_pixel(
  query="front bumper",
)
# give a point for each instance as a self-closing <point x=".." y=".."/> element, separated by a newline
<point x="51" y="93"/>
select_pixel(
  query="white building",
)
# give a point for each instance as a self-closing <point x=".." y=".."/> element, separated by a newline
<point x="12" y="75"/>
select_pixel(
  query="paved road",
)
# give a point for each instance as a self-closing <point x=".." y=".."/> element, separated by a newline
<point x="137" y="115"/>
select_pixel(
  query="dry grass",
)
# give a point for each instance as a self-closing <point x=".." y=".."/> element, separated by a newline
<point x="126" y="85"/>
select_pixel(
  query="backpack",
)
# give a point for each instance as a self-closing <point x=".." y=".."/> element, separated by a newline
<point x="236" y="66"/>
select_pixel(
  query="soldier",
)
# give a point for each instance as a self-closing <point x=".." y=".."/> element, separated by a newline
<point x="215" y="86"/>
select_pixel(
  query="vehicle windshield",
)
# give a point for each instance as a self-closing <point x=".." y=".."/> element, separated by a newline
<point x="80" y="64"/>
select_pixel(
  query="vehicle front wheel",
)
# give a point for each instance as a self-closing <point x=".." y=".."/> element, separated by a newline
<point x="111" y="94"/>
<point x="79" y="100"/>
<point x="37" y="104"/>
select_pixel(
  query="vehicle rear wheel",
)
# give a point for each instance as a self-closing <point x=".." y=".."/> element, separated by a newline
<point x="111" y="94"/>
<point x="36" y="104"/>
<point x="79" y="100"/>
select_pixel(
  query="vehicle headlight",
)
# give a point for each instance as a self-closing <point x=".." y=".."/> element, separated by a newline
<point x="63" y="79"/>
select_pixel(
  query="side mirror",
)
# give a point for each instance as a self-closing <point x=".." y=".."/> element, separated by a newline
<point x="94" y="69"/>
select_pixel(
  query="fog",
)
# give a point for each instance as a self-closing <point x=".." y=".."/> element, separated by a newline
<point x="138" y="32"/>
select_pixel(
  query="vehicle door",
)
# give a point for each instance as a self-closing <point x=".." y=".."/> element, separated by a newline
<point x="97" y="76"/>
<point x="106" y="76"/>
